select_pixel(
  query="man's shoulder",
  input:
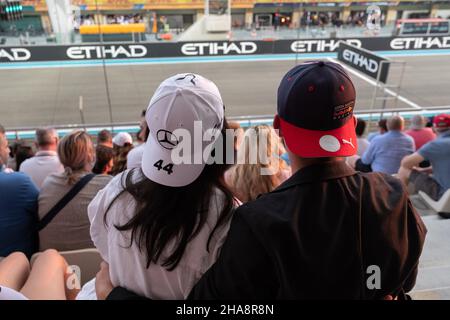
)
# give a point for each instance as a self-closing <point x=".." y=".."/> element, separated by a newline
<point x="27" y="162"/>
<point x="435" y="146"/>
<point x="408" y="137"/>
<point x="15" y="179"/>
<point x="380" y="180"/>
<point x="380" y="190"/>
<point x="379" y="138"/>
<point x="267" y="202"/>
<point x="15" y="175"/>
<point x="264" y="208"/>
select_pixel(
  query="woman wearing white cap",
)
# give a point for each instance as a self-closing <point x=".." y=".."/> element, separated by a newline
<point x="122" y="145"/>
<point x="161" y="226"/>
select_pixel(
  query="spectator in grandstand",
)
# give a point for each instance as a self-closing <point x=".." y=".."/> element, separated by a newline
<point x="69" y="227"/>
<point x="142" y="134"/>
<point x="18" y="208"/>
<point x="363" y="143"/>
<point x="104" y="138"/>
<point x="281" y="246"/>
<point x="104" y="161"/>
<point x="248" y="180"/>
<point x="23" y="152"/>
<point x="238" y="133"/>
<point x="46" y="279"/>
<point x="134" y="157"/>
<point x="438" y="153"/>
<point x="419" y="133"/>
<point x="382" y="129"/>
<point x="46" y="160"/>
<point x="169" y="219"/>
<point x="11" y="164"/>
<point x="387" y="151"/>
<point x="123" y="143"/>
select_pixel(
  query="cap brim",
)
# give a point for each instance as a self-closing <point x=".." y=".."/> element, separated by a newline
<point x="179" y="175"/>
<point x="341" y="142"/>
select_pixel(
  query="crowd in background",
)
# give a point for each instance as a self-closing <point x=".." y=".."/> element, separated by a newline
<point x="73" y="194"/>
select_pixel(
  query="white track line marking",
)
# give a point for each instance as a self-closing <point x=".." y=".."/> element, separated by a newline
<point x="374" y="83"/>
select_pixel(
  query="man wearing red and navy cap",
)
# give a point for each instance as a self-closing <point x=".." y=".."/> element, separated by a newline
<point x="437" y="152"/>
<point x="318" y="234"/>
<point x="328" y="232"/>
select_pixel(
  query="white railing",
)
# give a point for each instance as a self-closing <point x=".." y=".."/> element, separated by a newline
<point x="244" y="121"/>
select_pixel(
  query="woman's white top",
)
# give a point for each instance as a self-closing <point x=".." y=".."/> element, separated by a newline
<point x="127" y="265"/>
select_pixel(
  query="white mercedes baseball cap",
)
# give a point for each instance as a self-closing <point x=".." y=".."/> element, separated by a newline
<point x="122" y="138"/>
<point x="180" y="103"/>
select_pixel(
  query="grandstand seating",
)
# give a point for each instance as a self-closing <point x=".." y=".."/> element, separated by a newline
<point x="440" y="206"/>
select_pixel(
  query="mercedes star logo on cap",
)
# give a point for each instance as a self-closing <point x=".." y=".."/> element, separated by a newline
<point x="167" y="139"/>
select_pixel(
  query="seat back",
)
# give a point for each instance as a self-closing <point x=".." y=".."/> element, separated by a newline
<point x="442" y="205"/>
<point x="445" y="202"/>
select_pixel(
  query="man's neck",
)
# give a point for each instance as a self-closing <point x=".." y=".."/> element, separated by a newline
<point x="47" y="149"/>
<point x="298" y="163"/>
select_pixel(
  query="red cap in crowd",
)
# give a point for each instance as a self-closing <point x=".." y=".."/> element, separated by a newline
<point x="442" y="121"/>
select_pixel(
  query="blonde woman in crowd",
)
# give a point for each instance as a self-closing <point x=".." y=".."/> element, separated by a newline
<point x="250" y="178"/>
<point x="68" y="229"/>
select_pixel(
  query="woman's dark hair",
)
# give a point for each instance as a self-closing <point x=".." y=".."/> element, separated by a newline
<point x="164" y="214"/>
<point x="23" y="152"/>
<point x="383" y="124"/>
<point x="120" y="158"/>
<point x="360" y="127"/>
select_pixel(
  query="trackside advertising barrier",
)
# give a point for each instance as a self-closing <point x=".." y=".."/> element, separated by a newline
<point x="109" y="51"/>
<point x="365" y="61"/>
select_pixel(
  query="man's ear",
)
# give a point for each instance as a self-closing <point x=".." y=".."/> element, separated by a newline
<point x="276" y="125"/>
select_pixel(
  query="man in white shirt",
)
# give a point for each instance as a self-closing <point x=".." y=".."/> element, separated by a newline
<point x="46" y="160"/>
<point x="134" y="157"/>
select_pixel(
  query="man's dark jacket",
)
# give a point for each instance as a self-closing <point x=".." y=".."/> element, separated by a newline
<point x="327" y="232"/>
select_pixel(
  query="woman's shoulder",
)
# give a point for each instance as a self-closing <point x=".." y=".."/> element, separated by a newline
<point x="53" y="180"/>
<point x="102" y="179"/>
<point x="113" y="186"/>
<point x="119" y="180"/>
